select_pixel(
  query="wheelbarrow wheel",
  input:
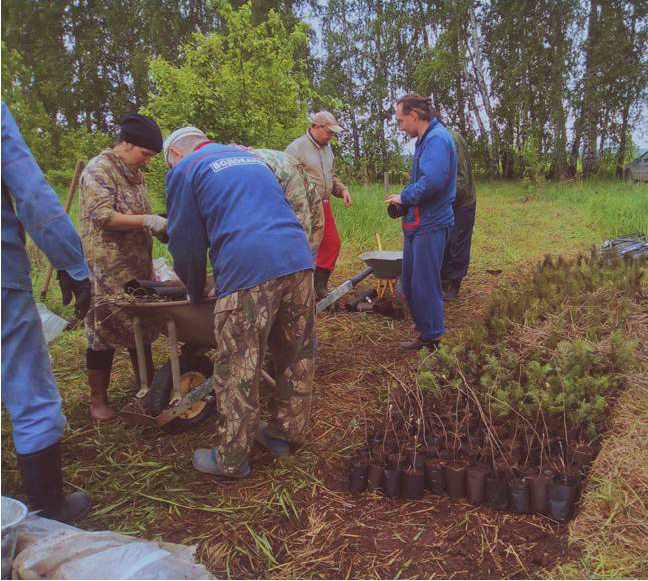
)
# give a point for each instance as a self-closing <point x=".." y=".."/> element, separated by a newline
<point x="193" y="371"/>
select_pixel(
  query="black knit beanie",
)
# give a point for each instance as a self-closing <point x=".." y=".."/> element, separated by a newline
<point x="142" y="131"/>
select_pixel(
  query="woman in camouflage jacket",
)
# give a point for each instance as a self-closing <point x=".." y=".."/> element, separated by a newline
<point x="117" y="225"/>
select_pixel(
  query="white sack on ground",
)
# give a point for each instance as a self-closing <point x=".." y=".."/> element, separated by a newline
<point x="52" y="550"/>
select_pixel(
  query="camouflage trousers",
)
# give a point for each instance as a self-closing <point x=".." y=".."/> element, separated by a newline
<point x="279" y="313"/>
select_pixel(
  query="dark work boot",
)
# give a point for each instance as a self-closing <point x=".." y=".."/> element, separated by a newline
<point x="321" y="278"/>
<point x="43" y="482"/>
<point x="418" y="343"/>
<point x="452" y="294"/>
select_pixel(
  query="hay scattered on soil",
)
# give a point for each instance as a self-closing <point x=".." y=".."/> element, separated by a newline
<point x="611" y="531"/>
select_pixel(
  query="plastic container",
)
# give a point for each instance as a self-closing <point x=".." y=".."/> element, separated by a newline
<point x="13" y="513"/>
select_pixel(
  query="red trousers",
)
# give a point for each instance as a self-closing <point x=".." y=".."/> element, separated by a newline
<point x="329" y="249"/>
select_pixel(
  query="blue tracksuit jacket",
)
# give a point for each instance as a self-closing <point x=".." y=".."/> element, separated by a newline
<point x="28" y="387"/>
<point x="426" y="226"/>
<point x="433" y="181"/>
<point x="228" y="200"/>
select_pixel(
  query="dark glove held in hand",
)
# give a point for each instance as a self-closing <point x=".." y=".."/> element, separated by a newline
<point x="81" y="289"/>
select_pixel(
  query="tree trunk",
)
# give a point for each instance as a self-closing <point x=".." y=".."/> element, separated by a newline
<point x="625" y="112"/>
<point x="590" y="116"/>
<point x="482" y="132"/>
<point x="474" y="52"/>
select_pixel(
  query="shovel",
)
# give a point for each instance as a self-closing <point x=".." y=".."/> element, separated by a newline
<point x="338" y="292"/>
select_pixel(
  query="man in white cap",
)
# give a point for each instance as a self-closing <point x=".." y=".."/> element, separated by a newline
<point x="314" y="151"/>
<point x="224" y="202"/>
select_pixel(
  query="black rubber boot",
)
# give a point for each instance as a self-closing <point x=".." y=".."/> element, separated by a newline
<point x="418" y="343"/>
<point x="321" y="282"/>
<point x="452" y="294"/>
<point x="43" y="482"/>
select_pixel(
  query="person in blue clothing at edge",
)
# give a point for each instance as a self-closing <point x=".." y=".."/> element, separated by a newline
<point x="426" y="205"/>
<point x="226" y="199"/>
<point x="28" y="388"/>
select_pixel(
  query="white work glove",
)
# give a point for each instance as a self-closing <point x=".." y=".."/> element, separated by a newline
<point x="156" y="225"/>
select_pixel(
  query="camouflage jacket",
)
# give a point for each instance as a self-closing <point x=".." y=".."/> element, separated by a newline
<point x="114" y="257"/>
<point x="300" y="192"/>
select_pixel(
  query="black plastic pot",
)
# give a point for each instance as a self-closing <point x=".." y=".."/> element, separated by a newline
<point x="375" y="439"/>
<point x="514" y="448"/>
<point x="530" y="455"/>
<point x="413" y="482"/>
<point x="583" y="455"/>
<point x="434" y="477"/>
<point x="395" y="461"/>
<point x="538" y="486"/>
<point x="417" y="459"/>
<point x="497" y="491"/>
<point x="396" y="210"/>
<point x="561" y="499"/>
<point x="392" y="483"/>
<point x="455" y="478"/>
<point x="523" y="472"/>
<point x="571" y="478"/>
<point x="358" y="475"/>
<point x="375" y="476"/>
<point x="476" y="484"/>
<point x="472" y="452"/>
<point x="519" y="496"/>
<point x="379" y="454"/>
<point x="361" y="453"/>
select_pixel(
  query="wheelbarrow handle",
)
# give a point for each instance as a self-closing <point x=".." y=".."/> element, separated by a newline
<point x="361" y="276"/>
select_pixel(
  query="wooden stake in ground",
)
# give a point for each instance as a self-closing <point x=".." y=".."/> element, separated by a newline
<point x="68" y="204"/>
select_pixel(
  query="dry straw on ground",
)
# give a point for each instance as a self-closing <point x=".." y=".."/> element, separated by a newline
<point x="611" y="531"/>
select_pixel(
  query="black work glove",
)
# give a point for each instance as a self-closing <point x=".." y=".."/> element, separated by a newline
<point x="81" y="289"/>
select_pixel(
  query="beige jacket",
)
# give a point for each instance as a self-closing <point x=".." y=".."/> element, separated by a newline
<point x="319" y="163"/>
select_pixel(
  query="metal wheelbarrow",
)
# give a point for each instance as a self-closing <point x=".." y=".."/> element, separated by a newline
<point x="181" y="395"/>
<point x="385" y="265"/>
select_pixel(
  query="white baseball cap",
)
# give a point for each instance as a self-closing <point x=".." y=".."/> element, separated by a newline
<point x="177" y="135"/>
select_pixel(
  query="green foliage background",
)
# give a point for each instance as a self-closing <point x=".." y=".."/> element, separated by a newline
<point x="546" y="89"/>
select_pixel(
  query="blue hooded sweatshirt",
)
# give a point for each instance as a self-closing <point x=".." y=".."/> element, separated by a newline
<point x="228" y="200"/>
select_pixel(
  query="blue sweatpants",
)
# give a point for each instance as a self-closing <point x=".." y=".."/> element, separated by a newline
<point x="28" y="388"/>
<point x="421" y="279"/>
<point x="457" y="253"/>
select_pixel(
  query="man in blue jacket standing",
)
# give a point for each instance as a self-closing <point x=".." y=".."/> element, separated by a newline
<point x="227" y="200"/>
<point x="28" y="388"/>
<point x="428" y="218"/>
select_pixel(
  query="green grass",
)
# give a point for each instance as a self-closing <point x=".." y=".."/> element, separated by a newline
<point x="513" y="225"/>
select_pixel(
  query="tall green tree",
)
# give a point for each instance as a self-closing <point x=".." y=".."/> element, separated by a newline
<point x="90" y="59"/>
<point x="240" y="85"/>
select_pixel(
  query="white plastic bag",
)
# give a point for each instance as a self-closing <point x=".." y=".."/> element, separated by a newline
<point x="162" y="272"/>
<point x="53" y="325"/>
<point x="51" y="550"/>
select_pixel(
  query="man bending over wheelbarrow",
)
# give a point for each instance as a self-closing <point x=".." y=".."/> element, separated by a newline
<point x="227" y="200"/>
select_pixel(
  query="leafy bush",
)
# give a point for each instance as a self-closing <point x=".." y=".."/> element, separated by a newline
<point x="243" y="85"/>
